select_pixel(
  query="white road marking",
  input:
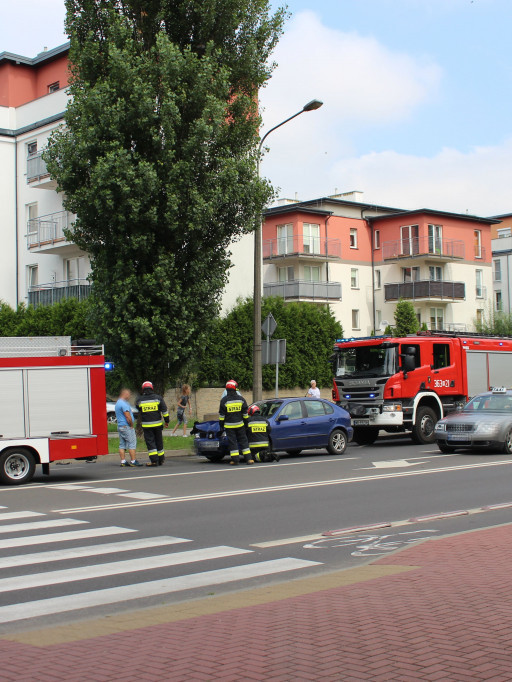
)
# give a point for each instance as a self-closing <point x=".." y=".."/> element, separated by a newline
<point x="392" y="464"/>
<point x="66" y="536"/>
<point x="116" y="568"/>
<point x="286" y="487"/>
<point x="143" y="496"/>
<point x="287" y="541"/>
<point x="113" y="595"/>
<point x="9" y="516"/>
<point x="91" y="550"/>
<point x="36" y="525"/>
<point x="106" y="491"/>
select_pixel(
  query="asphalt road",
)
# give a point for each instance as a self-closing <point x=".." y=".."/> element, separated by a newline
<point x="95" y="539"/>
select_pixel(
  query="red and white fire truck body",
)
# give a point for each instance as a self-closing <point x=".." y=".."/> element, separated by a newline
<point x="52" y="405"/>
<point x="408" y="383"/>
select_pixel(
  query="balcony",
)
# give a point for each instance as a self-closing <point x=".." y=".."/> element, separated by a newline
<point x="299" y="290"/>
<point x="37" y="173"/>
<point x="423" y="247"/>
<point x="45" y="234"/>
<point x="46" y="294"/>
<point x="300" y="248"/>
<point x="425" y="289"/>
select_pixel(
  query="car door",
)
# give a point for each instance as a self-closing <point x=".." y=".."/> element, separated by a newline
<point x="317" y="425"/>
<point x="289" y="433"/>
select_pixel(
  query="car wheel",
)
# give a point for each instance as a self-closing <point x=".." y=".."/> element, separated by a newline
<point x="294" y="451"/>
<point x="17" y="466"/>
<point x="217" y="457"/>
<point x="111" y="418"/>
<point x="337" y="442"/>
<point x="423" y="429"/>
<point x="445" y="448"/>
<point x="365" y="436"/>
<point x="507" y="445"/>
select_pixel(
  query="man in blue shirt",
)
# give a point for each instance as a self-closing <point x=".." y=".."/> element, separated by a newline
<point x="125" y="428"/>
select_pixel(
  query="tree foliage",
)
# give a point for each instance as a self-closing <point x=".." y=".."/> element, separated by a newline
<point x="406" y="321"/>
<point x="495" y="322"/>
<point x="66" y="318"/>
<point x="158" y="162"/>
<point x="309" y="330"/>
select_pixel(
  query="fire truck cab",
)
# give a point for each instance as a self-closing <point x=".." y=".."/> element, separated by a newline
<point x="409" y="383"/>
<point x="52" y="404"/>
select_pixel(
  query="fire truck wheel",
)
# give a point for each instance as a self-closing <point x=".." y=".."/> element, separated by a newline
<point x="423" y="429"/>
<point x="337" y="442"/>
<point x="365" y="436"/>
<point x="17" y="466"/>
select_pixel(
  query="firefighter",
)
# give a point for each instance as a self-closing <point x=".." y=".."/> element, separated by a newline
<point x="258" y="430"/>
<point x="233" y="417"/>
<point x="153" y="412"/>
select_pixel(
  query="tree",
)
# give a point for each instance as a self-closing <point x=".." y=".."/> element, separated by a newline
<point x="406" y="321"/>
<point x="158" y="161"/>
<point x="66" y="318"/>
<point x="495" y="322"/>
<point x="310" y="331"/>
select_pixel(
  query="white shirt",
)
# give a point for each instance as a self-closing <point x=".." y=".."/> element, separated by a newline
<point x="314" y="392"/>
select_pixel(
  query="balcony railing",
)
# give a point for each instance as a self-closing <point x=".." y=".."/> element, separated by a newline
<point x="425" y="289"/>
<point x="302" y="247"/>
<point x="302" y="290"/>
<point x="418" y="247"/>
<point x="53" y="292"/>
<point x="36" y="167"/>
<point x="47" y="229"/>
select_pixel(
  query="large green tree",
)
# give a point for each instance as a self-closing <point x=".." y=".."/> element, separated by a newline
<point x="406" y="321"/>
<point x="158" y="161"/>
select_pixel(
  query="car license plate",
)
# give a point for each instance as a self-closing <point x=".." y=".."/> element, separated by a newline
<point x="460" y="437"/>
<point x="361" y="422"/>
<point x="209" y="445"/>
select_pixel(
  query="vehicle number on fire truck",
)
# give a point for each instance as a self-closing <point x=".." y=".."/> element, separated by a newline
<point x="441" y="383"/>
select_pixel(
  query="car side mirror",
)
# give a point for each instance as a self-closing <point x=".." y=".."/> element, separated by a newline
<point x="283" y="418"/>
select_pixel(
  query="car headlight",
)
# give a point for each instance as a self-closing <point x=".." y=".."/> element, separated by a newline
<point x="489" y="428"/>
<point x="440" y="426"/>
<point x="392" y="407"/>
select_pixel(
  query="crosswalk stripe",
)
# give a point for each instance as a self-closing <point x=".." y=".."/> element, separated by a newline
<point x="26" y="582"/>
<point x="92" y="550"/>
<point x="112" y="595"/>
<point x="35" y="525"/>
<point x="7" y="516"/>
<point x="65" y="536"/>
<point x="142" y="496"/>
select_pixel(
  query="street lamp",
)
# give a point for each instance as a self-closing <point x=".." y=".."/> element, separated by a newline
<point x="256" y="353"/>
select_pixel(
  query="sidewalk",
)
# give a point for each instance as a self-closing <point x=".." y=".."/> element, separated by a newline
<point x="441" y="610"/>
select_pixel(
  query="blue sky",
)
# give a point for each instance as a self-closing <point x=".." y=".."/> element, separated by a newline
<point x="416" y="98"/>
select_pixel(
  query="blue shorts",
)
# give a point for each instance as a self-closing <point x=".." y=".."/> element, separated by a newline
<point x="127" y="438"/>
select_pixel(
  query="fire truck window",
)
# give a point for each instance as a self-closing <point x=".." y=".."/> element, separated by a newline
<point x="417" y="357"/>
<point x="441" y="355"/>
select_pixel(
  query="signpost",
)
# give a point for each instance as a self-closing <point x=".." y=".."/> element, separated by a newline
<point x="273" y="351"/>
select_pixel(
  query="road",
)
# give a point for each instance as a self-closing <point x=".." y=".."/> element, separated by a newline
<point x="95" y="539"/>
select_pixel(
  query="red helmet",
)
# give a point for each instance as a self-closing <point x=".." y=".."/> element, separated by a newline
<point x="147" y="384"/>
<point x="231" y="384"/>
<point x="253" y="409"/>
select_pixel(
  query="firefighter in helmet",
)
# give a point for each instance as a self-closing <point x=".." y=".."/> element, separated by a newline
<point x="258" y="430"/>
<point x="153" y="412"/>
<point x="233" y="418"/>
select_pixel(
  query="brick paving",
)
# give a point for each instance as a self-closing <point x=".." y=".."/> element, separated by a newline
<point x="448" y="617"/>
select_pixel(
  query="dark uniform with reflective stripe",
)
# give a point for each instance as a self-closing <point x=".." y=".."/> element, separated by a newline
<point x="232" y="418"/>
<point x="153" y="412"/>
<point x="258" y="430"/>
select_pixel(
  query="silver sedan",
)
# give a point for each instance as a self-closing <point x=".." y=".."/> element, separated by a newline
<point x="484" y="422"/>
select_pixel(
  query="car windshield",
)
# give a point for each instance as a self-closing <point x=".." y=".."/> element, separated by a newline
<point x="270" y="407"/>
<point x="366" y="361"/>
<point x="490" y="403"/>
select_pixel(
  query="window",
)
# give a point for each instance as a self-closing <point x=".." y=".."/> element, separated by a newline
<point x="497" y="270"/>
<point x="435" y="273"/>
<point x="355" y="319"/>
<point x="31" y="148"/>
<point x="405" y="350"/>
<point x="53" y="87"/>
<point x="286" y="274"/>
<point x="328" y="409"/>
<point x="284" y="239"/>
<point x="311" y="238"/>
<point x="441" y="355"/>
<point x="376" y="239"/>
<point x="479" y="288"/>
<point x="498" y="301"/>
<point x="312" y="273"/>
<point x="410" y="274"/>
<point x="479" y="315"/>
<point x="478" y="243"/>
<point x="435" y="238"/>
<point x="378" y="318"/>
<point x="378" y="281"/>
<point x="354" y="278"/>
<point x="292" y="410"/>
<point x="436" y="318"/>
<point x="504" y="232"/>
<point x="314" y="408"/>
<point x="353" y="238"/>
<point x="32" y="276"/>
<point x="409" y="240"/>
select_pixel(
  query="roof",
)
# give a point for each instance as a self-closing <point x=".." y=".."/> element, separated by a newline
<point x="310" y="204"/>
<point x="47" y="55"/>
<point x="444" y="214"/>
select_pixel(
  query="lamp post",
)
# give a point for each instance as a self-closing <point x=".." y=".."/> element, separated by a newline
<point x="256" y="354"/>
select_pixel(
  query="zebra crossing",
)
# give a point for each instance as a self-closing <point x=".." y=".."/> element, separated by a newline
<point x="51" y="573"/>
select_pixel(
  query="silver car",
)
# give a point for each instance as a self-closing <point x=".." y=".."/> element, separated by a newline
<point x="484" y="422"/>
<point x="111" y="412"/>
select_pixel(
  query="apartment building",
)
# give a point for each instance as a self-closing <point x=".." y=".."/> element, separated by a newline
<point x="360" y="259"/>
<point x="501" y="234"/>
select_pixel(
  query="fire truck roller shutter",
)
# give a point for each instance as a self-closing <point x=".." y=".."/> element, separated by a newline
<point x="500" y="369"/>
<point x="11" y="404"/>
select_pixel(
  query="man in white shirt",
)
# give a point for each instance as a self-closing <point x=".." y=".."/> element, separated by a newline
<point x="313" y="392"/>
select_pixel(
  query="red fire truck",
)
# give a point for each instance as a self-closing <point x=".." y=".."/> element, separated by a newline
<point x="52" y="404"/>
<point x="408" y="383"/>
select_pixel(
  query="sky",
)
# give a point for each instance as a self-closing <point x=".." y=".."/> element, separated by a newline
<point x="417" y="98"/>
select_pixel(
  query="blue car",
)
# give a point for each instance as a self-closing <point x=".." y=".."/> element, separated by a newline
<point x="296" y="424"/>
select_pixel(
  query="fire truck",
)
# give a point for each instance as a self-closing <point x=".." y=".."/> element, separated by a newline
<point x="409" y="383"/>
<point x="52" y="404"/>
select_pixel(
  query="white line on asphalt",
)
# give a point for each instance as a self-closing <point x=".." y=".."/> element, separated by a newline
<point x="113" y="568"/>
<point x="9" y="516"/>
<point x="50" y="538"/>
<point x="143" y="496"/>
<point x="113" y="595"/>
<point x="106" y="491"/>
<point x="56" y="523"/>
<point x="287" y="541"/>
<point x="91" y="550"/>
<point x="279" y="488"/>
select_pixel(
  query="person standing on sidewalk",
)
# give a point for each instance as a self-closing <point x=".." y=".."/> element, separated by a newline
<point x="313" y="391"/>
<point x="153" y="412"/>
<point x="233" y="417"/>
<point x="125" y="429"/>
<point x="182" y="407"/>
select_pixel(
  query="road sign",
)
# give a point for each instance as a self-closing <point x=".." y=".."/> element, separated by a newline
<point x="273" y="352"/>
<point x="269" y="326"/>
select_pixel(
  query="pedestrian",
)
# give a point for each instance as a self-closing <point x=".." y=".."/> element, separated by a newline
<point x="182" y="407"/>
<point x="125" y="429"/>
<point x="313" y="391"/>
<point x="153" y="412"/>
<point x="258" y="430"/>
<point x="233" y="417"/>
